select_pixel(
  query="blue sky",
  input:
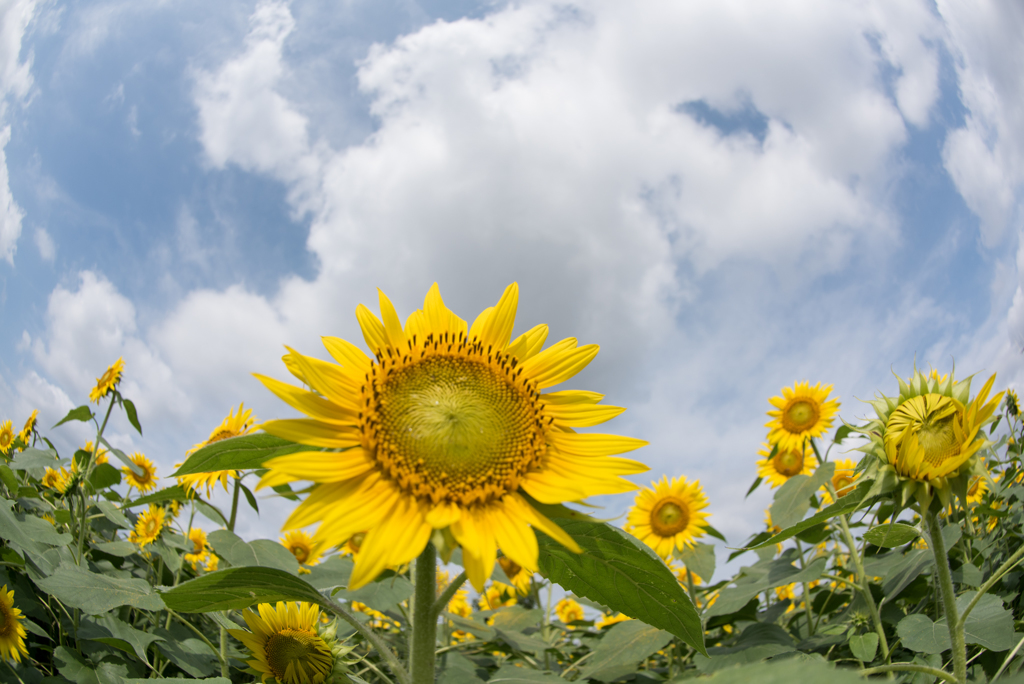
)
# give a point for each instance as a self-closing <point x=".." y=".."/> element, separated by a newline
<point x="728" y="197"/>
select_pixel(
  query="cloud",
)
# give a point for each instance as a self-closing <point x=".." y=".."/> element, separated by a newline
<point x="45" y="245"/>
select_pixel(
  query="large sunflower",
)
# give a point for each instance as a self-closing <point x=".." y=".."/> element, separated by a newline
<point x="284" y="643"/>
<point x="106" y="383"/>
<point x="446" y="427"/>
<point x="145" y="481"/>
<point x="786" y="463"/>
<point x="12" y="632"/>
<point x="801" y="412"/>
<point x="669" y="516"/>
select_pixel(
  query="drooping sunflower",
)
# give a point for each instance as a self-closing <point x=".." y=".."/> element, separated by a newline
<point x="57" y="480"/>
<point x="305" y="549"/>
<point x="238" y="422"/>
<point x="445" y="427"/>
<point x="801" y="412"/>
<point x="145" y="481"/>
<point x="669" y="515"/>
<point x="1012" y="403"/>
<point x="284" y="643"/>
<point x="148" y="526"/>
<point x="569" y="611"/>
<point x="786" y="463"/>
<point x="12" y="632"/>
<point x="106" y="383"/>
<point x="844" y="479"/>
<point x="30" y="425"/>
<point x="6" y="437"/>
<point x="519" y="576"/>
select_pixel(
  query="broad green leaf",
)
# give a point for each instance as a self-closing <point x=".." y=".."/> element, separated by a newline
<point x="618" y="571"/>
<point x="75" y="668"/>
<point x="968" y="574"/>
<point x="787" y="671"/>
<point x="108" y="630"/>
<point x="460" y="670"/>
<point x="82" y="413"/>
<point x="104" y="475"/>
<point x="121" y="456"/>
<point x="133" y="416"/>
<point x="511" y="674"/>
<point x="382" y="595"/>
<point x="330" y="574"/>
<point x="238" y="588"/>
<point x="35" y="458"/>
<point x="622" y="648"/>
<point x="96" y="594"/>
<point x="171" y="558"/>
<point x="864" y="647"/>
<point x="521" y="642"/>
<point x="477" y="629"/>
<point x="760" y="577"/>
<point x="794" y="497"/>
<point x="899" y="570"/>
<point x="239" y="453"/>
<point x="121" y="549"/>
<point x="262" y="552"/>
<point x="250" y="497"/>
<point x="170" y="680"/>
<point x="720" y="660"/>
<point x="989" y="625"/>
<point x="842" y="432"/>
<point x="918" y="633"/>
<point x="846" y="504"/>
<point x="516" y="618"/>
<point x="113" y="514"/>
<point x="175" y="493"/>
<point x="182" y="648"/>
<point x="28" y="532"/>
<point x="890" y="535"/>
<point x="699" y="559"/>
<point x="8" y="477"/>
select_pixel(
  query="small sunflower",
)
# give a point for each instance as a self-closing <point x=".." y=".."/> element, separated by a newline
<point x="352" y="545"/>
<point x="378" y="620"/>
<point x="786" y="463"/>
<point x="237" y="423"/>
<point x="498" y="595"/>
<point x="106" y="383"/>
<point x="57" y="480"/>
<point x="102" y="455"/>
<point x="519" y="576"/>
<point x="569" y="611"/>
<point x="147" y="480"/>
<point x="305" y="549"/>
<point x="801" y="412"/>
<point x="12" y="632"/>
<point x="446" y="427"/>
<point x="976" y="490"/>
<point x="1012" y="403"/>
<point x="844" y="479"/>
<point x="668" y="516"/>
<point x="6" y="437"/>
<point x="30" y="425"/>
<point x="285" y="644"/>
<point x="148" y="526"/>
<point x="608" y="619"/>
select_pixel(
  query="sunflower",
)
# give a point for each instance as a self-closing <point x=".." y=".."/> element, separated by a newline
<point x="446" y="427"/>
<point x="106" y="383"/>
<point x="1012" y="403"/>
<point x="284" y="643"/>
<point x="519" y="576"/>
<point x="498" y="595"/>
<point x="843" y="480"/>
<point x="303" y="547"/>
<point x="787" y="462"/>
<point x="976" y="490"/>
<point x="569" y="611"/>
<point x="6" y="437"/>
<point x="608" y="619"/>
<point x="12" y="632"/>
<point x="148" y="526"/>
<point x="802" y="412"/>
<point x="353" y="544"/>
<point x="57" y="480"/>
<point x="147" y="480"/>
<point x="198" y="538"/>
<point x="668" y="516"/>
<point x="237" y="423"/>
<point x="30" y="425"/>
<point x="101" y="453"/>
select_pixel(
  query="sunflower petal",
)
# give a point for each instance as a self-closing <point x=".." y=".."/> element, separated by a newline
<point x="571" y="397"/>
<point x="323" y="467"/>
<point x="582" y="415"/>
<point x="314" y="433"/>
<point x="593" y="444"/>
<point x="393" y="541"/>
<point x="392" y="323"/>
<point x="542" y="523"/>
<point x="373" y="330"/>
<point x="497" y="330"/>
<point x="311" y="404"/>
<point x="347" y="354"/>
<point x="529" y="343"/>
<point x="513" y="534"/>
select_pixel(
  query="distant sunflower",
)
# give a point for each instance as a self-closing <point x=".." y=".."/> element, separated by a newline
<point x="801" y="412"/>
<point x="57" y="480"/>
<point x="569" y="611"/>
<point x="236" y="423"/>
<point x="843" y="480"/>
<point x="786" y="463"/>
<point x="446" y="427"/>
<point x="102" y="455"/>
<point x="6" y="437"/>
<point x="284" y="643"/>
<point x="148" y="526"/>
<point x="145" y="481"/>
<point x="976" y="490"/>
<point x="498" y="595"/>
<point x="106" y="383"/>
<point x="30" y="425"/>
<point x="519" y="576"/>
<point x="669" y="516"/>
<point x="12" y="632"/>
<point x="1012" y="403"/>
<point x="305" y="549"/>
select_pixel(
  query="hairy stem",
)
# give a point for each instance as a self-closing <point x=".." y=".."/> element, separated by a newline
<point x="862" y="580"/>
<point x="956" y="632"/>
<point x="424" y="619"/>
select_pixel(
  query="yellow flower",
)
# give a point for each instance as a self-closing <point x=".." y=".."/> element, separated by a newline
<point x="498" y="595"/>
<point x="57" y="480"/>
<point x="681" y="575"/>
<point x="669" y="516"/>
<point x="519" y="576"/>
<point x="843" y="480"/>
<point x="801" y="412"/>
<point x="1012" y="403"/>
<point x="568" y="611"/>
<point x="6" y="437"/>
<point x="976" y="490"/>
<point x="352" y="545"/>
<point x="12" y="632"/>
<point x="446" y="427"/>
<point x="211" y="561"/>
<point x="236" y="424"/>
<point x="607" y="620"/>
<point x="48" y="517"/>
<point x="303" y="547"/>
<point x="379" y="620"/>
<point x="199" y="550"/>
<point x="147" y="480"/>
<point x="284" y="643"/>
<point x="101" y="453"/>
<point x="106" y="383"/>
<point x="26" y="432"/>
<point x="786" y="592"/>
<point x="787" y="462"/>
<point x="148" y="526"/>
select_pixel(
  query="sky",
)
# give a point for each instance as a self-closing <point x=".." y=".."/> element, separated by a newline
<point x="728" y="196"/>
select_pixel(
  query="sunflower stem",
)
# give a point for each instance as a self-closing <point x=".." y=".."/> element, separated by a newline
<point x="862" y="580"/>
<point x="447" y="594"/>
<point x="224" y="670"/>
<point x="234" y="504"/>
<point x="956" y="631"/>
<point x="424" y="619"/>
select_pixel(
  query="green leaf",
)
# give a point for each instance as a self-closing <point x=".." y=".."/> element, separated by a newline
<point x="182" y="648"/>
<point x="121" y="549"/>
<point x="787" y="671"/>
<point x="104" y="475"/>
<point x="846" y="504"/>
<point x="262" y="552"/>
<point x="521" y="642"/>
<point x="734" y="657"/>
<point x="384" y="594"/>
<point x="28" y="532"/>
<point x="760" y="577"/>
<point x="239" y="453"/>
<point x="477" y="629"/>
<point x="133" y="416"/>
<point x="175" y="493"/>
<point x="989" y="625"/>
<point x="108" y="630"/>
<point x="8" y="477"/>
<point x="794" y="496"/>
<point x="74" y="667"/>
<point x="516" y="618"/>
<point x="238" y="588"/>
<point x="35" y="458"/>
<point x="891" y="535"/>
<point x="715" y="533"/>
<point x="330" y="574"/>
<point x="699" y="559"/>
<point x="82" y="413"/>
<point x="899" y="570"/>
<point x="511" y="674"/>
<point x="95" y="594"/>
<point x="250" y="497"/>
<point x="113" y="514"/>
<point x="618" y="571"/>
<point x="753" y="487"/>
<point x="918" y="633"/>
<point x="121" y="456"/>
<point x="864" y="647"/>
<point x="622" y="648"/>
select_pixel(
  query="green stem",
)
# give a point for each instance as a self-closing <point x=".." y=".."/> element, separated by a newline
<point x="956" y="632"/>
<point x="382" y="648"/>
<point x="224" y="653"/>
<point x="862" y="580"/>
<point x="85" y="478"/>
<point x="199" y="633"/>
<point x="1009" y="658"/>
<point x="424" y="619"/>
<point x="234" y="504"/>
<point x="447" y="594"/>
<point x="909" y="667"/>
<point x="996" y="576"/>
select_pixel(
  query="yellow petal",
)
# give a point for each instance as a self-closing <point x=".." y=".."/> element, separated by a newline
<point x="314" y="433"/>
<point x="480" y="321"/>
<point x="442" y="515"/>
<point x="582" y="415"/>
<point x="274" y="479"/>
<point x="529" y="343"/>
<point x="322" y="467"/>
<point x="565" y="366"/>
<point x="347" y="354"/>
<point x="542" y="523"/>
<point x="312" y="405"/>
<point x="416" y="327"/>
<point x="593" y="444"/>
<point x="329" y="379"/>
<point x="497" y="330"/>
<point x="439" y="317"/>
<point x="392" y="323"/>
<point x="513" y="534"/>
<point x="400" y="536"/>
<point x="479" y="549"/>
<point x="373" y="329"/>
<point x="571" y="397"/>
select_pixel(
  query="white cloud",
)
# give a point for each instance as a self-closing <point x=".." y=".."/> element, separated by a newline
<point x="10" y="213"/>
<point x="44" y="243"/>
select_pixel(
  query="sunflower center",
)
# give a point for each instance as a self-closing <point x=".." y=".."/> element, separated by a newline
<point x="455" y="428"/>
<point x="800" y="414"/>
<point x="301" y="553"/>
<point x="842" y="484"/>
<point x="670" y="517"/>
<point x="219" y="435"/>
<point x="292" y="652"/>
<point x="151" y="527"/>
<point x="355" y="542"/>
<point x="788" y="463"/>
<point x="938" y="439"/>
<point x="108" y="377"/>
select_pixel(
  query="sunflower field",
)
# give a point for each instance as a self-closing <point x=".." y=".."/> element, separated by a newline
<point x="437" y="534"/>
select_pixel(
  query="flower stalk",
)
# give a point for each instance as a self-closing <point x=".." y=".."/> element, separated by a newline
<point x="424" y="618"/>
<point x="953" y="622"/>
